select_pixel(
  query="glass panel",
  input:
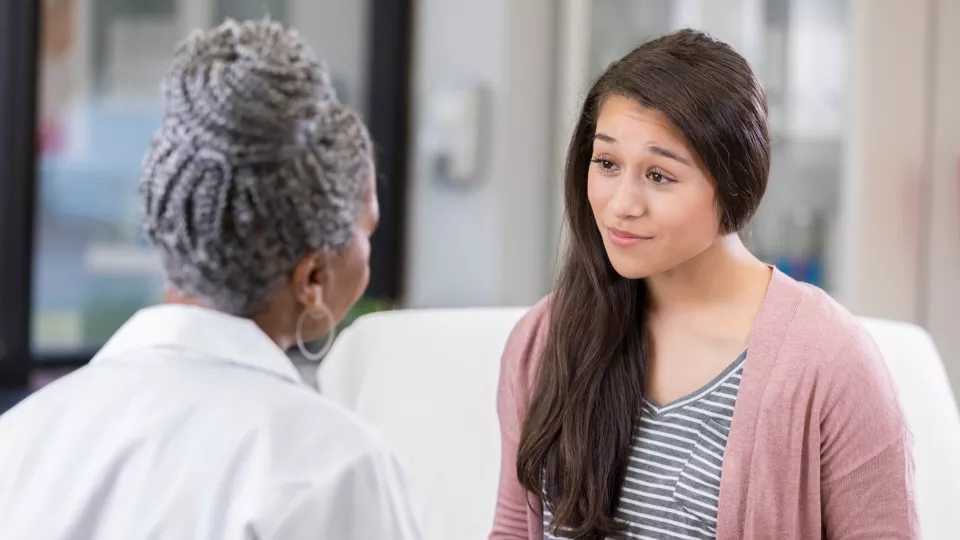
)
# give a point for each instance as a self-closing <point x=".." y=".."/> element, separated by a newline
<point x="101" y="63"/>
<point x="798" y="50"/>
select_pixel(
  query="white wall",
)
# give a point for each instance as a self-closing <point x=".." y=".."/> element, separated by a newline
<point x="816" y="64"/>
<point x="525" y="153"/>
<point x="902" y="194"/>
<point x="886" y="158"/>
<point x="942" y="314"/>
<point x="487" y="244"/>
<point x="737" y="22"/>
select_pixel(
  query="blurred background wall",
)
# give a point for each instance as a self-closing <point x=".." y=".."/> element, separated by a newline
<point x="480" y="237"/>
<point x="864" y="196"/>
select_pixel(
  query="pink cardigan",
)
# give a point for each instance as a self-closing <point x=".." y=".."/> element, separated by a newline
<point x="818" y="442"/>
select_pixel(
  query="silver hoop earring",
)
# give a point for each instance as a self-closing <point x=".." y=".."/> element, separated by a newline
<point x="325" y="312"/>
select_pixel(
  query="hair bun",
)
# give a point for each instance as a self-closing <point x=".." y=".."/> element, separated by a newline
<point x="246" y="89"/>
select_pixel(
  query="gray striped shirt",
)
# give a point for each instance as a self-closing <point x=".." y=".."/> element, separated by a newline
<point x="672" y="487"/>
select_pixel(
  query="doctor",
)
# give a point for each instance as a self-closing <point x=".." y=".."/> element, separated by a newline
<point x="191" y="423"/>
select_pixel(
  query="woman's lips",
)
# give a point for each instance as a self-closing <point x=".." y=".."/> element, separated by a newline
<point x="625" y="239"/>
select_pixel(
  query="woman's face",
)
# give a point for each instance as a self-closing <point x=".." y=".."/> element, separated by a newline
<point x="346" y="274"/>
<point x="351" y="269"/>
<point x="654" y="203"/>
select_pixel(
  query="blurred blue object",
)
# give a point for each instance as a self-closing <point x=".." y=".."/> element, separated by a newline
<point x="97" y="177"/>
<point x="805" y="269"/>
<point x="89" y="201"/>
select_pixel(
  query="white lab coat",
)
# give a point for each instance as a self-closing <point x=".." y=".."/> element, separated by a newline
<point x="192" y="424"/>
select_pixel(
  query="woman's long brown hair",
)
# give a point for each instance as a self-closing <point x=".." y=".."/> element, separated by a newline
<point x="576" y="439"/>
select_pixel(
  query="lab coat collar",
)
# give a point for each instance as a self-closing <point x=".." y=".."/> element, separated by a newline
<point x="209" y="334"/>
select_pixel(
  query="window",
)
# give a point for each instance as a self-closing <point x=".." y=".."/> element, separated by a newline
<point x="99" y="64"/>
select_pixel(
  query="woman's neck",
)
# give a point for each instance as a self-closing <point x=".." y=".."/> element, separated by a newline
<point x="725" y="272"/>
<point x="275" y="327"/>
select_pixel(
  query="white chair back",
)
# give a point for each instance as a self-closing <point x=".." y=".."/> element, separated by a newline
<point x="931" y="410"/>
<point x="427" y="380"/>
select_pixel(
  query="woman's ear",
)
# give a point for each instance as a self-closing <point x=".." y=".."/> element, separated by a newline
<point x="310" y="278"/>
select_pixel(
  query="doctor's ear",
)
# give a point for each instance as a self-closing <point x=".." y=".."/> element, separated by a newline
<point x="311" y="277"/>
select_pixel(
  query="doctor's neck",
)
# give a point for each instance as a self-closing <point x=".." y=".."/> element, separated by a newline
<point x="279" y="328"/>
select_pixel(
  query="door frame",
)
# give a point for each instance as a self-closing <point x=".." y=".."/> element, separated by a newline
<point x="18" y="102"/>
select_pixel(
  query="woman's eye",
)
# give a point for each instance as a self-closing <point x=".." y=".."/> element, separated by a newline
<point x="605" y="164"/>
<point x="659" y="178"/>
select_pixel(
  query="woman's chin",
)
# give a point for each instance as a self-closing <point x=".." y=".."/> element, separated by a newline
<point x="632" y="269"/>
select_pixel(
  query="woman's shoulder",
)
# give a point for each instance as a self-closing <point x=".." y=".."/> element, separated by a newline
<point x="532" y="327"/>
<point x="823" y="322"/>
<point x="848" y="366"/>
<point x="524" y="349"/>
<point x="529" y="336"/>
<point x="802" y="318"/>
<point x="829" y="356"/>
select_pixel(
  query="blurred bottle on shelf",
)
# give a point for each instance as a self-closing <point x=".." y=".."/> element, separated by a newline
<point x="802" y="243"/>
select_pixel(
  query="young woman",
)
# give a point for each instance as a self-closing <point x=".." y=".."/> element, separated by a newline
<point x="674" y="386"/>
<point x="192" y="423"/>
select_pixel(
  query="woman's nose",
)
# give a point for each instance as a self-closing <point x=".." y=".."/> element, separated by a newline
<point x="629" y="199"/>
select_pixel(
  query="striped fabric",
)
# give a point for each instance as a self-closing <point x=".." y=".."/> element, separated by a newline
<point x="672" y="488"/>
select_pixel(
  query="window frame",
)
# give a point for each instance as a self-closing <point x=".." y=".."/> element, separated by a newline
<point x="19" y="23"/>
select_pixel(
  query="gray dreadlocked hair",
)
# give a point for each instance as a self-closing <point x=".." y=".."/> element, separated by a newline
<point x="256" y="165"/>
